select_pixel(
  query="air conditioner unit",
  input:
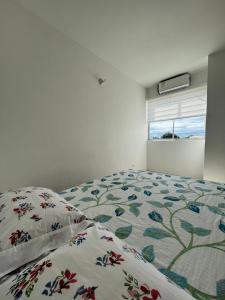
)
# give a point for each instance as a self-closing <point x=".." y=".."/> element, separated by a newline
<point x="174" y="83"/>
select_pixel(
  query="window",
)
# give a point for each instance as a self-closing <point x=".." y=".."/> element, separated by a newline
<point x="178" y="116"/>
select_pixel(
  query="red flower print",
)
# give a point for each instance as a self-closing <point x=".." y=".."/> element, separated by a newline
<point x="109" y="259"/>
<point x="23" y="209"/>
<point x="19" y="236"/>
<point x="79" y="219"/>
<point x="138" y="292"/>
<point x="70" y="276"/>
<point x="18" y="198"/>
<point x="89" y="293"/>
<point x="61" y="282"/>
<point x="69" y="208"/>
<point x="43" y="204"/>
<point x="25" y="280"/>
<point x="145" y="288"/>
<point x="78" y="239"/>
<point x="86" y="293"/>
<point x="39" y="269"/>
<point x="47" y="205"/>
<point x="45" y="196"/>
<point x="107" y="238"/>
<point x="155" y="294"/>
<point x="115" y="258"/>
<point x="36" y="218"/>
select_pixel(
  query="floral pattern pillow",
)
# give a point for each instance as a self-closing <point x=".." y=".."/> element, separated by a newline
<point x="94" y="265"/>
<point x="34" y="221"/>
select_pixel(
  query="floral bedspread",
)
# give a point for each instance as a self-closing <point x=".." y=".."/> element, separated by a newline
<point x="93" y="265"/>
<point x="177" y="223"/>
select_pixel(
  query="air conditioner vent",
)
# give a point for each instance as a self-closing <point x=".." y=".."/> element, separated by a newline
<point x="174" y="83"/>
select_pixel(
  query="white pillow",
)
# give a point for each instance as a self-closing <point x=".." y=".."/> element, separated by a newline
<point x="95" y="264"/>
<point x="33" y="221"/>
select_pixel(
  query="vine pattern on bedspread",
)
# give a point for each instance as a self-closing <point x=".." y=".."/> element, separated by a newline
<point x="178" y="223"/>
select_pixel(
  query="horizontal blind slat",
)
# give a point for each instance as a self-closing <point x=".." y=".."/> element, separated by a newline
<point x="184" y="104"/>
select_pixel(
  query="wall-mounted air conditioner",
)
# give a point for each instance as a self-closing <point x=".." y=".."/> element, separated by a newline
<point x="174" y="83"/>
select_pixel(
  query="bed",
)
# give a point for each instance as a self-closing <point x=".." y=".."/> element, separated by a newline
<point x="177" y="223"/>
<point x="49" y="248"/>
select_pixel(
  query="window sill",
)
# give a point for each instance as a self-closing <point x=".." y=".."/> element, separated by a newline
<point x="176" y="140"/>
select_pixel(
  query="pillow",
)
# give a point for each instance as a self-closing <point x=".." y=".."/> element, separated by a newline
<point x="33" y="221"/>
<point x="93" y="265"/>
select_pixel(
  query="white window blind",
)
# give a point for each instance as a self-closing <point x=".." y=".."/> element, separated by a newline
<point x="189" y="103"/>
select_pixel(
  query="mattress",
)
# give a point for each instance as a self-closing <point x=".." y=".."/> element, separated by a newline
<point x="177" y="223"/>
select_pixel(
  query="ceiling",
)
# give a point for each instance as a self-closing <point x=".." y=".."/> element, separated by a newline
<point x="148" y="40"/>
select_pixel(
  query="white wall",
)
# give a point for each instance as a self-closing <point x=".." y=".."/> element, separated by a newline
<point x="58" y="127"/>
<point x="178" y="157"/>
<point x="215" y="126"/>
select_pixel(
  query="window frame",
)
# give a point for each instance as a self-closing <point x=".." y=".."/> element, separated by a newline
<point x="173" y="120"/>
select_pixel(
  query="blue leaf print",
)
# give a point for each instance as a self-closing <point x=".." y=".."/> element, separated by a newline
<point x="155" y="216"/>
<point x="132" y="197"/>
<point x="220" y="188"/>
<point x="200" y="181"/>
<point x="119" y="211"/>
<point x="222" y="226"/>
<point x="194" y="208"/>
<point x="45" y="292"/>
<point x="147" y="193"/>
<point x="171" y="198"/>
<point x="102" y="261"/>
<point x="56" y="226"/>
<point x="49" y="284"/>
<point x="178" y="185"/>
<point x="95" y="192"/>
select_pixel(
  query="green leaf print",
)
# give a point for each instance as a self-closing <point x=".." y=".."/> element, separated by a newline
<point x="148" y="253"/>
<point x="87" y="199"/>
<point x="201" y="231"/>
<point x="123" y="232"/>
<point x="111" y="197"/>
<point x="187" y="226"/>
<point x="102" y="218"/>
<point x="156" y="233"/>
<point x="156" y="204"/>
